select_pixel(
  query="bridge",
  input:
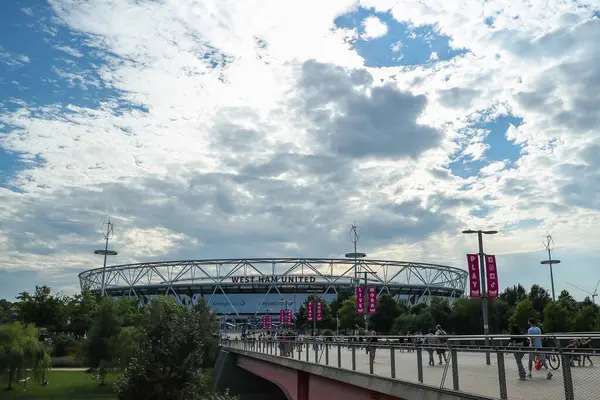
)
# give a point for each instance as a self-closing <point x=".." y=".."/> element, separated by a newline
<point x="339" y="370"/>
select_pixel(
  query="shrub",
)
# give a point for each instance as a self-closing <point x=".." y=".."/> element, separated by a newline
<point x="63" y="345"/>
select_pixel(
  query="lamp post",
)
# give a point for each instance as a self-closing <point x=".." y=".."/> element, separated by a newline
<point x="284" y="303"/>
<point x="486" y="327"/>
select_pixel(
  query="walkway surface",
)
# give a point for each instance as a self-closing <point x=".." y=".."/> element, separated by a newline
<point x="475" y="377"/>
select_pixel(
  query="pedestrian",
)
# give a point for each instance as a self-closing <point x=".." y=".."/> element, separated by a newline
<point x="535" y="343"/>
<point x="431" y="341"/>
<point x="441" y="351"/>
<point x="519" y="343"/>
<point x="372" y="346"/>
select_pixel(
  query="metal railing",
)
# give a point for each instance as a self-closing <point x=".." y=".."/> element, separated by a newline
<point x="456" y="363"/>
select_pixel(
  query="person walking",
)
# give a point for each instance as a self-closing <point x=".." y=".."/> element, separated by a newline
<point x="519" y="343"/>
<point x="431" y="341"/>
<point x="441" y="336"/>
<point x="535" y="343"/>
<point x="372" y="346"/>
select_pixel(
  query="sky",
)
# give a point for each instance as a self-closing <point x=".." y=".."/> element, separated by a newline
<point x="209" y="129"/>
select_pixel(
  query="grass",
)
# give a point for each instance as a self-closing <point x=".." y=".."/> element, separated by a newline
<point x="72" y="385"/>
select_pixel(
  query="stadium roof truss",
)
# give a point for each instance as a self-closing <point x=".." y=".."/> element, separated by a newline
<point x="174" y="277"/>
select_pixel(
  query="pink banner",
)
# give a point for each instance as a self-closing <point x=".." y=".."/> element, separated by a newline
<point x="491" y="274"/>
<point x="319" y="308"/>
<point x="372" y="292"/>
<point x="474" y="278"/>
<point x="269" y="322"/>
<point x="290" y="320"/>
<point x="360" y="300"/>
<point x="309" y="311"/>
<point x="264" y="322"/>
<point x="282" y="317"/>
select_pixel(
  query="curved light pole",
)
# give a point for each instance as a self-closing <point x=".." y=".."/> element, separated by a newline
<point x="486" y="327"/>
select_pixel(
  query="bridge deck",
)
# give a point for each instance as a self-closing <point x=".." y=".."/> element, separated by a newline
<point x="475" y="377"/>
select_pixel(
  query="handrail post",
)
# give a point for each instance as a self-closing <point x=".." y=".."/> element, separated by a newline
<point x="501" y="374"/>
<point x="454" y="358"/>
<point x="371" y="357"/>
<point x="326" y="353"/>
<point x="392" y="361"/>
<point x="420" y="363"/>
<point x="353" y="357"/>
<point x="339" y="351"/>
<point x="567" y="377"/>
<point x="316" y="352"/>
<point x="307" y="349"/>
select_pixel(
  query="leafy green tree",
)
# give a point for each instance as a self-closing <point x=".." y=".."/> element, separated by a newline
<point x="421" y="322"/>
<point x="348" y="317"/>
<point x="539" y="298"/>
<point x="466" y="317"/>
<point x="5" y="310"/>
<point x="81" y="309"/>
<point x="168" y="365"/>
<point x="42" y="309"/>
<point x="584" y="320"/>
<point x="556" y="318"/>
<point x="105" y="328"/>
<point x="343" y="294"/>
<point x="500" y="313"/>
<point x="522" y="313"/>
<point x="513" y="295"/>
<point x="387" y="312"/>
<point x="418" y="308"/>
<point x="440" y="312"/>
<point x="301" y="317"/>
<point x="20" y="350"/>
<point x="567" y="301"/>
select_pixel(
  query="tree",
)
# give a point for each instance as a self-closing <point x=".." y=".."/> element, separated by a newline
<point x="81" y="309"/>
<point x="169" y="363"/>
<point x="5" y="310"/>
<point x="343" y="294"/>
<point x="522" y="313"/>
<point x="105" y="327"/>
<point x="440" y="312"/>
<point x="556" y="318"/>
<point x="584" y="320"/>
<point x="42" y="309"/>
<point x="348" y="317"/>
<point x="539" y="298"/>
<point x="19" y="350"/>
<point x="302" y="320"/>
<point x="513" y="295"/>
<point x="466" y="317"/>
<point x="387" y="312"/>
<point x="567" y="301"/>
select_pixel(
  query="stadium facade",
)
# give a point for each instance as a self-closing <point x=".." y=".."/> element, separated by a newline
<point x="242" y="288"/>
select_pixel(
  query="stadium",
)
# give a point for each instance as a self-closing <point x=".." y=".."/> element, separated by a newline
<point x="239" y="289"/>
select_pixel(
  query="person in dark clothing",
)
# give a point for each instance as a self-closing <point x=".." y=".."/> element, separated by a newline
<point x="372" y="346"/>
<point x="520" y="343"/>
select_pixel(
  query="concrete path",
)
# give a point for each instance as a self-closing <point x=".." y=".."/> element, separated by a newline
<point x="475" y="377"/>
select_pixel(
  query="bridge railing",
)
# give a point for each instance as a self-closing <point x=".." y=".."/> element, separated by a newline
<point x="455" y="363"/>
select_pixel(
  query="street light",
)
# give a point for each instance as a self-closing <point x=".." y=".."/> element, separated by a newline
<point x="549" y="244"/>
<point x="486" y="327"/>
<point x="106" y="252"/>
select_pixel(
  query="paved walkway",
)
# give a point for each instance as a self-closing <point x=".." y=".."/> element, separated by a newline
<point x="475" y="377"/>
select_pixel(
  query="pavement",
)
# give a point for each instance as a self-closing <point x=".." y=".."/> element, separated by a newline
<point x="475" y="377"/>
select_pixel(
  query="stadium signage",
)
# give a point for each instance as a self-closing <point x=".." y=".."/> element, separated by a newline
<point x="273" y="279"/>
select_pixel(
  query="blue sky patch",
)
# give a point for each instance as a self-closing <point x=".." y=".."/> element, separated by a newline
<point x="403" y="45"/>
<point x="499" y="147"/>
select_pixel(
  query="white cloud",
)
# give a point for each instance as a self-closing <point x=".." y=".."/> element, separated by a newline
<point x="374" y="28"/>
<point x="254" y="136"/>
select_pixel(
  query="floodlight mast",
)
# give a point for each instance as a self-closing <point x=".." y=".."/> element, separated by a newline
<point x="548" y="243"/>
<point x="107" y="232"/>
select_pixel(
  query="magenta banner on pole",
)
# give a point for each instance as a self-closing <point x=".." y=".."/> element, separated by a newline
<point x="491" y="276"/>
<point x="282" y="317"/>
<point x="269" y="322"/>
<point x="310" y="311"/>
<point x="372" y="294"/>
<point x="290" y="320"/>
<point x="360" y="300"/>
<point x="319" y="312"/>
<point x="474" y="278"/>
<point x="264" y="322"/>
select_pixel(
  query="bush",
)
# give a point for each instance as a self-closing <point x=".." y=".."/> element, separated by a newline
<point x="66" y="362"/>
<point x="63" y="345"/>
